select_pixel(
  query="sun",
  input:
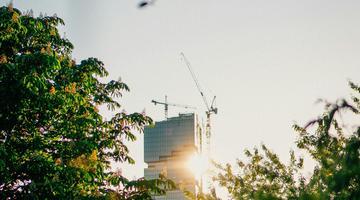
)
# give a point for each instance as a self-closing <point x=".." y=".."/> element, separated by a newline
<point x="198" y="165"/>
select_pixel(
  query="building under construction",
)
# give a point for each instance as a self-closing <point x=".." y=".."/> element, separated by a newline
<point x="171" y="144"/>
<point x="167" y="147"/>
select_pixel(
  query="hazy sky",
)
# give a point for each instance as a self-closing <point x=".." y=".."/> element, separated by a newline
<point x="266" y="61"/>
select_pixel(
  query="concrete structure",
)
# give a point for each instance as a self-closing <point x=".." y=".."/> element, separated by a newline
<point x="167" y="148"/>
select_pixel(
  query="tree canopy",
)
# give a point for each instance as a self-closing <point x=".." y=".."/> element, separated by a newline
<point x="54" y="144"/>
<point x="335" y="176"/>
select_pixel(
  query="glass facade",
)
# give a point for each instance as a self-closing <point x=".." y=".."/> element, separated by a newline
<point x="167" y="147"/>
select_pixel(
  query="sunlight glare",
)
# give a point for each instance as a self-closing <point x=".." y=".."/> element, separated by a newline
<point x="198" y="165"/>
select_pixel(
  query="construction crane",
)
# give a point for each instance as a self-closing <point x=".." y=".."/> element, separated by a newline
<point x="209" y="109"/>
<point x="166" y="105"/>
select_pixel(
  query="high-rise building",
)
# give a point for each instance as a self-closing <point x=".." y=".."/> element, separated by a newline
<point x="167" y="148"/>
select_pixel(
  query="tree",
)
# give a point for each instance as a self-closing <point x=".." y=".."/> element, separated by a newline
<point x="54" y="144"/>
<point x="263" y="177"/>
<point x="201" y="195"/>
<point x="335" y="176"/>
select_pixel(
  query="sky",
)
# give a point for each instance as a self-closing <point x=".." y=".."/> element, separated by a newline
<point x="267" y="62"/>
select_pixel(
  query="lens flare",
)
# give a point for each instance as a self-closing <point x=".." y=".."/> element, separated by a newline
<point x="198" y="165"/>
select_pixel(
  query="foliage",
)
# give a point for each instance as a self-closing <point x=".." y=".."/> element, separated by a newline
<point x="53" y="142"/>
<point x="335" y="176"/>
<point x="202" y="196"/>
<point x="263" y="177"/>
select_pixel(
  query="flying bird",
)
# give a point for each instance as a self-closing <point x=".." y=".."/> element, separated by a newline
<point x="145" y="3"/>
